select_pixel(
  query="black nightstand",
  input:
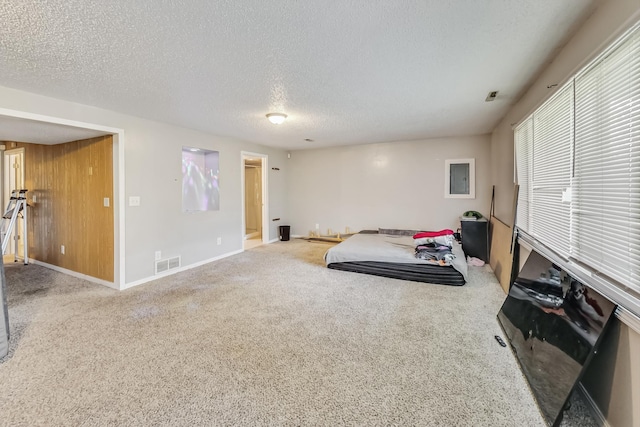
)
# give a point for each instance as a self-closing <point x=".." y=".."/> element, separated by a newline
<point x="475" y="238"/>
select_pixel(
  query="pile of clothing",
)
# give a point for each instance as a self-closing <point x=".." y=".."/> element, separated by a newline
<point x="434" y="246"/>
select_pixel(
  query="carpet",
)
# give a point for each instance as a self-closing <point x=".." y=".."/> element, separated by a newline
<point x="266" y="337"/>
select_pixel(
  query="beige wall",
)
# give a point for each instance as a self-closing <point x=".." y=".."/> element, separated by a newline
<point x="388" y="185"/>
<point x="614" y="379"/>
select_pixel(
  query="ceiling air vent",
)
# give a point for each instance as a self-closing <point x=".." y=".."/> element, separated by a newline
<point x="167" y="264"/>
<point x="491" y="96"/>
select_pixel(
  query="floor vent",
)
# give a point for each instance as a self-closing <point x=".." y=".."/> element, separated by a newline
<point x="167" y="264"/>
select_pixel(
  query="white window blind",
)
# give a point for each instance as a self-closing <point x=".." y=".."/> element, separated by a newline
<point x="606" y="198"/>
<point x="551" y="172"/>
<point x="523" y="147"/>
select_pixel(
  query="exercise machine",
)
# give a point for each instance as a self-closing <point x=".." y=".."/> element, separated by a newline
<point x="16" y="208"/>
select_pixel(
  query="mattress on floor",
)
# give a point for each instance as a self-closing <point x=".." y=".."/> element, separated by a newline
<point x="394" y="256"/>
<point x="440" y="275"/>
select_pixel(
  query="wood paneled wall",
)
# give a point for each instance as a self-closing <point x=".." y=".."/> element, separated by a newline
<point x="70" y="182"/>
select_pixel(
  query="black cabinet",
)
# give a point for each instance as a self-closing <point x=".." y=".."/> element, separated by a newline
<point x="475" y="238"/>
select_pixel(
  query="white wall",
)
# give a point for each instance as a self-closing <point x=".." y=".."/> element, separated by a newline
<point x="388" y="185"/>
<point x="152" y="153"/>
<point x="615" y="383"/>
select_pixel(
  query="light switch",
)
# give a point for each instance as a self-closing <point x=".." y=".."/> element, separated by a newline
<point x="106" y="202"/>
<point x="134" y="200"/>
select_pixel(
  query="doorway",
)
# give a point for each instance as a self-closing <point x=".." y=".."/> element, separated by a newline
<point x="255" y="229"/>
<point x="40" y="131"/>
<point x="13" y="179"/>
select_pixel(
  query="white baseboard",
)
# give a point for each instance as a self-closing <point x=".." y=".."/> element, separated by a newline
<point x="593" y="407"/>
<point x="178" y="270"/>
<point x="273" y="240"/>
<point x="74" y="274"/>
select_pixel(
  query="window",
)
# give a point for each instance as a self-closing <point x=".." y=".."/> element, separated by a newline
<point x="578" y="167"/>
<point x="606" y="210"/>
<point x="551" y="175"/>
<point x="524" y="157"/>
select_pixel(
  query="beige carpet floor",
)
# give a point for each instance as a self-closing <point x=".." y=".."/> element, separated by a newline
<point x="266" y="337"/>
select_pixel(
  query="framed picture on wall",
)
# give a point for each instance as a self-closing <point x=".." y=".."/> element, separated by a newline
<point x="200" y="180"/>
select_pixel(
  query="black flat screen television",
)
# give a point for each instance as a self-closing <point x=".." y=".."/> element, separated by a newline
<point x="554" y="324"/>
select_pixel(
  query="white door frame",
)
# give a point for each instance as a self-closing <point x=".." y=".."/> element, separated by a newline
<point x="6" y="192"/>
<point x="118" y="189"/>
<point x="265" y="194"/>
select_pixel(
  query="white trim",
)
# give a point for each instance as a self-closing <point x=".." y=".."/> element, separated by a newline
<point x="118" y="182"/>
<point x="251" y="235"/>
<point x="593" y="407"/>
<point x="265" y="193"/>
<point x="266" y="230"/>
<point x="525" y="245"/>
<point x="56" y="120"/>
<point x="273" y="240"/>
<point x="119" y="206"/>
<point x="88" y="278"/>
<point x="6" y="196"/>
<point x="179" y="270"/>
<point x="628" y="318"/>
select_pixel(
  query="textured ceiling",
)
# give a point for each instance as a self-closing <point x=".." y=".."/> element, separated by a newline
<point x="346" y="72"/>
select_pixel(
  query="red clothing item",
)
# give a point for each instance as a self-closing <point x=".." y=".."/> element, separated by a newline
<point x="432" y="234"/>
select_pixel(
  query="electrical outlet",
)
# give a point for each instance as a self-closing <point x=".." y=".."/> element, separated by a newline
<point x="317" y="226"/>
<point x="62" y="249"/>
<point x="219" y="240"/>
<point x="34" y="198"/>
<point x="134" y="200"/>
<point x="158" y="255"/>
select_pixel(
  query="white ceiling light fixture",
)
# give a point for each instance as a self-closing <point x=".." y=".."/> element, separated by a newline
<point x="277" y="118"/>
